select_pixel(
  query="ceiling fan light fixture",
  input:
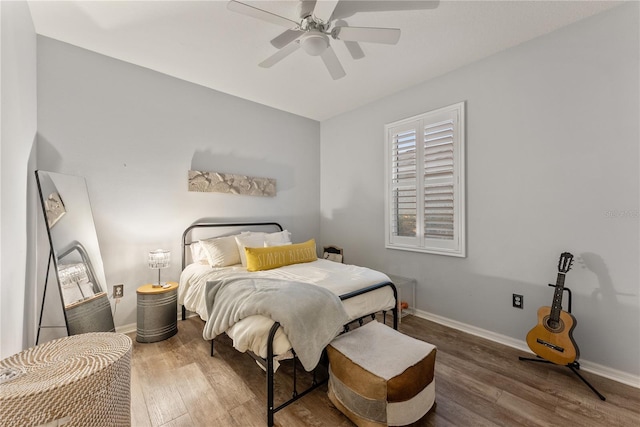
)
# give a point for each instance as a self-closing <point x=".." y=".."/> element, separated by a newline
<point x="314" y="43"/>
<point x="317" y="22"/>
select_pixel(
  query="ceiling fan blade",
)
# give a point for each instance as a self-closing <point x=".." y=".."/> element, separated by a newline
<point x="324" y="9"/>
<point x="349" y="8"/>
<point x="353" y="47"/>
<point x="285" y="38"/>
<point x="332" y="63"/>
<point x="355" y="50"/>
<point x="279" y="55"/>
<point x="367" y="34"/>
<point x="263" y="15"/>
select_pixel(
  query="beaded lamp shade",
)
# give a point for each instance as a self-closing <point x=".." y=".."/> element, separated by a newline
<point x="159" y="259"/>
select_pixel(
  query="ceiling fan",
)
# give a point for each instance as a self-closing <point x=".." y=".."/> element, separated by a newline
<point x="317" y="24"/>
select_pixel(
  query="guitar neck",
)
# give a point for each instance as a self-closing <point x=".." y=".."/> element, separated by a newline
<point x="556" y="305"/>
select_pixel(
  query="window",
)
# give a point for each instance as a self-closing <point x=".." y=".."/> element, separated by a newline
<point x="425" y="182"/>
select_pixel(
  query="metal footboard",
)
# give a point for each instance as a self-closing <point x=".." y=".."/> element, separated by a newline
<point x="271" y="408"/>
<point x="295" y="395"/>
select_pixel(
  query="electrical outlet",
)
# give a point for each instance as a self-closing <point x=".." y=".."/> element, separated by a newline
<point x="118" y="290"/>
<point x="518" y="301"/>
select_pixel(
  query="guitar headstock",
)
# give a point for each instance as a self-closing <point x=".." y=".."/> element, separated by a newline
<point x="565" y="262"/>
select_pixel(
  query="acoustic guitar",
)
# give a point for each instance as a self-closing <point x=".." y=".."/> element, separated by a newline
<point x="551" y="338"/>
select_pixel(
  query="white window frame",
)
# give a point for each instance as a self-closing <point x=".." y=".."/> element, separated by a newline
<point x="456" y="246"/>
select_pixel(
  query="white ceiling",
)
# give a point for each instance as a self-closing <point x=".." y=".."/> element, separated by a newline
<point x="205" y="43"/>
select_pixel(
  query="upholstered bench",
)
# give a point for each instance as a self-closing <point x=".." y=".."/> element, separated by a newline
<point x="379" y="376"/>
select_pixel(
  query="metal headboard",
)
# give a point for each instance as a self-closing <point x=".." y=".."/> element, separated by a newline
<point x="186" y="236"/>
<point x="84" y="258"/>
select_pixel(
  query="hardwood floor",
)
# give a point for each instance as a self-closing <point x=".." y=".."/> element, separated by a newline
<point x="478" y="383"/>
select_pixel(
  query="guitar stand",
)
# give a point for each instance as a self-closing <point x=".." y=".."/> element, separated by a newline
<point x="574" y="366"/>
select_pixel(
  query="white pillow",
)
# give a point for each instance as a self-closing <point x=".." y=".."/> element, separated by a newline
<point x="253" y="233"/>
<point x="197" y="253"/>
<point x="280" y="238"/>
<point x="267" y="244"/>
<point x="221" y="251"/>
<point x="251" y="240"/>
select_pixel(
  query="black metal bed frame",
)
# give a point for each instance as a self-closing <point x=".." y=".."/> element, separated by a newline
<point x="271" y="408"/>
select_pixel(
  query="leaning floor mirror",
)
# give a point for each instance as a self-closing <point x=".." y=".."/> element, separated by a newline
<point x="74" y="254"/>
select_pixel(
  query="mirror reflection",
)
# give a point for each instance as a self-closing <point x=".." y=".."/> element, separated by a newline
<point x="77" y="279"/>
<point x="75" y="252"/>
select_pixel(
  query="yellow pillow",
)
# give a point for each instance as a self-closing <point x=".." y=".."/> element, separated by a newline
<point x="278" y="256"/>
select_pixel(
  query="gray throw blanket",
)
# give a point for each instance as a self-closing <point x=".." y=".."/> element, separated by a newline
<point x="310" y="315"/>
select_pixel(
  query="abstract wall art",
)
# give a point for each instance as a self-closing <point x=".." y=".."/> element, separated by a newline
<point x="218" y="182"/>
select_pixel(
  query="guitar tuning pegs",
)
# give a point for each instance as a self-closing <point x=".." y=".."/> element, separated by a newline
<point x="565" y="262"/>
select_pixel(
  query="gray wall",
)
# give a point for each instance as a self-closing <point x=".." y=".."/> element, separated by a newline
<point x="552" y="166"/>
<point x="134" y="133"/>
<point x="17" y="139"/>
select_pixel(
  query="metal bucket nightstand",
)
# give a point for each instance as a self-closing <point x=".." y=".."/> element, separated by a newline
<point x="157" y="312"/>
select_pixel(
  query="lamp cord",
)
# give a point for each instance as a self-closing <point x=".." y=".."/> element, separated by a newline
<point x="115" y="308"/>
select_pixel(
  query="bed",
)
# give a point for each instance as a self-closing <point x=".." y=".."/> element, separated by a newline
<point x="272" y="312"/>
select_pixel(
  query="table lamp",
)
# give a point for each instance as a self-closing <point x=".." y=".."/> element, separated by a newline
<point x="74" y="275"/>
<point x="159" y="259"/>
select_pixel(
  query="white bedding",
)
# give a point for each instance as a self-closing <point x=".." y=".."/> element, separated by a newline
<point x="252" y="332"/>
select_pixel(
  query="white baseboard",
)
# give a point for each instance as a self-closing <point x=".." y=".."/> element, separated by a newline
<point x="603" y="371"/>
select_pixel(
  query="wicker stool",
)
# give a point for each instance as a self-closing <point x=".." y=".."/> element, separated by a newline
<point x="81" y="380"/>
<point x="380" y="377"/>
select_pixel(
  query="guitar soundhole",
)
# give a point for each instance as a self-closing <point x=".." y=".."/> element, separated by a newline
<point x="553" y="326"/>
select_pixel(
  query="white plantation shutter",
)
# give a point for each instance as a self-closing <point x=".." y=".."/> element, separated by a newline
<point x="425" y="182"/>
<point x="438" y="181"/>
<point x="404" y="183"/>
